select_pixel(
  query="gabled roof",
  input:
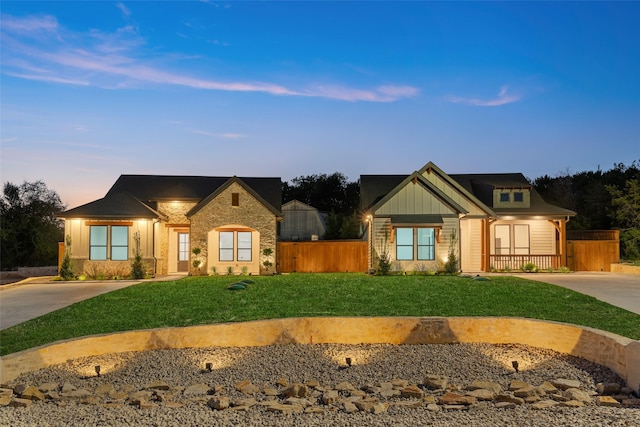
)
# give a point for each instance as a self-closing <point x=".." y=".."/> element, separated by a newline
<point x="417" y="178"/>
<point x="113" y="206"/>
<point x="482" y="186"/>
<point x="243" y="184"/>
<point x="155" y="188"/>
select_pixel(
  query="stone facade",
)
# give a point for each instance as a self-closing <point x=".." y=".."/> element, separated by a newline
<point x="176" y="213"/>
<point x="250" y="214"/>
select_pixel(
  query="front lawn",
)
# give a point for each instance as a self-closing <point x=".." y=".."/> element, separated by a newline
<point x="204" y="300"/>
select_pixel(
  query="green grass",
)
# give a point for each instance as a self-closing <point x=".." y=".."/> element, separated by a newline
<point x="204" y="300"/>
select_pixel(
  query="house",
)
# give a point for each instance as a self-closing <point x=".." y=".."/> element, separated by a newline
<point x="301" y="222"/>
<point x="490" y="221"/>
<point x="231" y="220"/>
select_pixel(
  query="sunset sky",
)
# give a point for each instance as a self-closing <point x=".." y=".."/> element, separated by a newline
<point x="94" y="89"/>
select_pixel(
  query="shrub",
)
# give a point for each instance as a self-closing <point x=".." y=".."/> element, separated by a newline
<point x="529" y="267"/>
<point x="451" y="266"/>
<point x="137" y="266"/>
<point x="66" y="272"/>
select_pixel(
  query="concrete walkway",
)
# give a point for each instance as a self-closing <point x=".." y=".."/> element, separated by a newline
<point x="621" y="290"/>
<point x="32" y="298"/>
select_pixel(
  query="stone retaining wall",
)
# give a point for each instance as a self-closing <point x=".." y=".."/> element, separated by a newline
<point x="620" y="354"/>
<point x="625" y="268"/>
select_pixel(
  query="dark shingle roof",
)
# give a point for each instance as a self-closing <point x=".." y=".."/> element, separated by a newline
<point x="374" y="188"/>
<point x="153" y="188"/>
<point x="113" y="206"/>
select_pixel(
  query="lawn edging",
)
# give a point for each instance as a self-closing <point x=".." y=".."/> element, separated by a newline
<point x="620" y="354"/>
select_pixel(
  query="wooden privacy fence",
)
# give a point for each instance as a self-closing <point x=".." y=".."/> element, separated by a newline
<point x="323" y="256"/>
<point x="592" y="250"/>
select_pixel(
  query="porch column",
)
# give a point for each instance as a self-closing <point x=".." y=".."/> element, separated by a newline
<point x="563" y="242"/>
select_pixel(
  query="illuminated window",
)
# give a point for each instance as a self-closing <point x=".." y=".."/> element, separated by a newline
<point x="232" y="240"/>
<point x="103" y="243"/>
<point x="424" y="247"/>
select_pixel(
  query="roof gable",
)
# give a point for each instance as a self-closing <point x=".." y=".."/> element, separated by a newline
<point x="226" y="185"/>
<point x="417" y="179"/>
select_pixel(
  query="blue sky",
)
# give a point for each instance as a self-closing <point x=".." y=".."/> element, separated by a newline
<point x="94" y="89"/>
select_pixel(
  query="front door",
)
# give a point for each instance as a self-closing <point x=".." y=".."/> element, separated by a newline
<point x="183" y="252"/>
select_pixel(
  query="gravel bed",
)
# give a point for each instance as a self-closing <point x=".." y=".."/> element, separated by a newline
<point x="326" y="364"/>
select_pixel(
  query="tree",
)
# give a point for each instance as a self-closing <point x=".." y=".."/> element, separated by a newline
<point x="29" y="229"/>
<point x="329" y="193"/>
<point x="625" y="212"/>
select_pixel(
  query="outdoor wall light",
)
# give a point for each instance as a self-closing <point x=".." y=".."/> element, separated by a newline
<point x="515" y="365"/>
<point x="97" y="369"/>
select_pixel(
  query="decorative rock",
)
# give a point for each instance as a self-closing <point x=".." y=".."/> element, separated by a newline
<point x="412" y="391"/>
<point x="432" y="407"/>
<point x="32" y="393"/>
<point x="219" y="403"/>
<point x="350" y="407"/>
<point x="608" y="388"/>
<point x="572" y="404"/>
<point x="486" y="385"/>
<point x="410" y="404"/>
<point x="173" y="405"/>
<point x="482" y="394"/>
<point x="67" y="387"/>
<point x="505" y="405"/>
<point x="545" y="404"/>
<point x="399" y="384"/>
<point x="525" y="392"/>
<point x="607" y="401"/>
<point x="157" y="385"/>
<point x="246" y="387"/>
<point x="243" y="402"/>
<point x="144" y="404"/>
<point x="296" y="390"/>
<point x="435" y="382"/>
<point x="577" y="394"/>
<point x="105" y="390"/>
<point x="282" y="382"/>
<point x="564" y="384"/>
<point x="19" y="389"/>
<point x="547" y="388"/>
<point x="76" y="394"/>
<point x="48" y="387"/>
<point x="20" y="403"/>
<point x="196" y="389"/>
<point x="456" y="399"/>
<point x="345" y="386"/>
<point x="330" y="397"/>
<point x="517" y="385"/>
<point x="510" y="399"/>
<point x="270" y="392"/>
<point x="631" y="403"/>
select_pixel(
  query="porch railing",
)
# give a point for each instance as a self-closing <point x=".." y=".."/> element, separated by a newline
<point x="515" y="262"/>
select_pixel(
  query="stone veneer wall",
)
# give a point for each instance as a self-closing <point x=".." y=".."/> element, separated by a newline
<point x="219" y="212"/>
<point x="620" y="354"/>
<point x="176" y="215"/>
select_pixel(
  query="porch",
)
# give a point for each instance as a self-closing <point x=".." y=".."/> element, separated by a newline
<point x="515" y="262"/>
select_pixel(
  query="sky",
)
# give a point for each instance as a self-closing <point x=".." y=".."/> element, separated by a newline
<point x="91" y="90"/>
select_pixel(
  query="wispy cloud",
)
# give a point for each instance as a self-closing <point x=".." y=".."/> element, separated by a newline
<point x="227" y="135"/>
<point x="119" y="60"/>
<point x="503" y="98"/>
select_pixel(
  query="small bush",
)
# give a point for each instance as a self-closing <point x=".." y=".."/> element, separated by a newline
<point x="529" y="267"/>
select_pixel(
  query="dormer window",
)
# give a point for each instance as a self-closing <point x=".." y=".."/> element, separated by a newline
<point x="518" y="196"/>
<point x="504" y="197"/>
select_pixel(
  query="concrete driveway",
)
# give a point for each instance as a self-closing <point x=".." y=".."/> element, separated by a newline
<point x="25" y="301"/>
<point x="621" y="290"/>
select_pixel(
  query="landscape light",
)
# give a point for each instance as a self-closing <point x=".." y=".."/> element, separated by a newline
<point x="97" y="368"/>
<point x="515" y="365"/>
<point x="348" y="360"/>
<point x="209" y="366"/>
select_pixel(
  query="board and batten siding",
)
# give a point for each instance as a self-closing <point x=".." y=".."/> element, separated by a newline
<point x="471" y="247"/>
<point x="453" y="193"/>
<point x="414" y="199"/>
<point x="79" y="231"/>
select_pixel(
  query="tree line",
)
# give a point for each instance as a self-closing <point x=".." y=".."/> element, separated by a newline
<point x="602" y="200"/>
